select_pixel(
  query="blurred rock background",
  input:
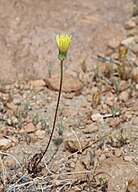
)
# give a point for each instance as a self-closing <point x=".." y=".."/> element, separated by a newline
<point x="28" y="28"/>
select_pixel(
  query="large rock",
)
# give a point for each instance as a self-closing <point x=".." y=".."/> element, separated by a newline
<point x="75" y="145"/>
<point x="118" y="173"/>
<point x="37" y="85"/>
<point x="70" y="83"/>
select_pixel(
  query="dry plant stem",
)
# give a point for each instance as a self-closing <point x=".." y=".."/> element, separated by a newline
<point x="33" y="164"/>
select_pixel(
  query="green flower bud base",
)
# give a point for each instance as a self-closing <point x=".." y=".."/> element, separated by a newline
<point x="62" y="56"/>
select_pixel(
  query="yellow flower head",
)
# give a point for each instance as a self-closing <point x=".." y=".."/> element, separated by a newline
<point x="63" y="42"/>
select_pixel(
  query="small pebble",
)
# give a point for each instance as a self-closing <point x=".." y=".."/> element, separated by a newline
<point x="128" y="158"/>
<point x="117" y="152"/>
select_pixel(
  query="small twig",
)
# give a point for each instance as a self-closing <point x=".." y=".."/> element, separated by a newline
<point x="64" y="186"/>
<point x="7" y="154"/>
<point x="103" y="172"/>
<point x="77" y="140"/>
<point x="15" y="185"/>
<point x="107" y="59"/>
<point x="108" y="115"/>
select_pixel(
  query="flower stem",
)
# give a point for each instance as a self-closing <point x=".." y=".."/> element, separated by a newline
<point x="33" y="164"/>
<point x="55" y="117"/>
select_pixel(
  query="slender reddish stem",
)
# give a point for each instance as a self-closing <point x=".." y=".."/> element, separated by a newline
<point x="41" y="155"/>
<point x="55" y="117"/>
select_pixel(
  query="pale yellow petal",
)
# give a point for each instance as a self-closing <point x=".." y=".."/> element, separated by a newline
<point x="63" y="42"/>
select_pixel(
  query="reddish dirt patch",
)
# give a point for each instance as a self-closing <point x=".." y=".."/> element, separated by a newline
<point x="28" y="30"/>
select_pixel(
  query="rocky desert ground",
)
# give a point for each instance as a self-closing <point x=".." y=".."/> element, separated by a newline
<point x="95" y="144"/>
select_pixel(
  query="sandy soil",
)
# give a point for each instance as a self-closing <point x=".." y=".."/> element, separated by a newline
<point x="28" y="30"/>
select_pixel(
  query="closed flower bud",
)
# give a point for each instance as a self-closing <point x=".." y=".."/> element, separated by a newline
<point x="63" y="42"/>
